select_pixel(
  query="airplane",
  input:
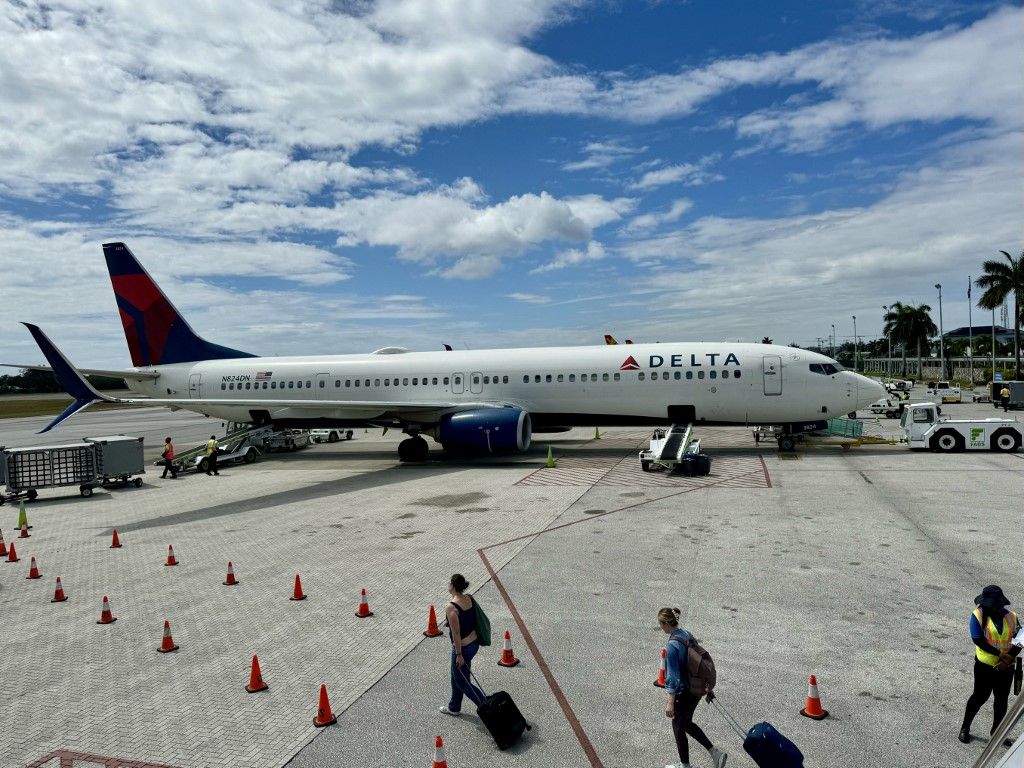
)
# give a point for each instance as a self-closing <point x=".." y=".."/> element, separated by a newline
<point x="470" y="401"/>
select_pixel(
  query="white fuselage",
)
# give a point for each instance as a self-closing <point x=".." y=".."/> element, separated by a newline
<point x="559" y="386"/>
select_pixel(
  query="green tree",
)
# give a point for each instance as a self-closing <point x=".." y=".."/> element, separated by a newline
<point x="999" y="281"/>
<point x="897" y="327"/>
<point x="911" y="326"/>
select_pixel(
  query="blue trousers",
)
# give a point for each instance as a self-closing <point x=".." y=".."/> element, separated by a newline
<point x="461" y="681"/>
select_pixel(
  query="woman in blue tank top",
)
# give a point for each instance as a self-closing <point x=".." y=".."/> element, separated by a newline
<point x="461" y="614"/>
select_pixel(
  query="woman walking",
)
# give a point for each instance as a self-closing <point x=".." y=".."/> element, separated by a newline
<point x="681" y="700"/>
<point x="461" y="614"/>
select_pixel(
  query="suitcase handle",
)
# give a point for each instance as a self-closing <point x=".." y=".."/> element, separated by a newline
<point x="472" y="679"/>
<point x="713" y="701"/>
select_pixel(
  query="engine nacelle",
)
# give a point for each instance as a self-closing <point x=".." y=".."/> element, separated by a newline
<point x="485" y="431"/>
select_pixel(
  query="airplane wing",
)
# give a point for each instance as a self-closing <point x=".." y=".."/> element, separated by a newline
<point x="134" y="375"/>
<point x="85" y="394"/>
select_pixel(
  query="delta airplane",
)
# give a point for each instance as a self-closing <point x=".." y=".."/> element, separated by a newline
<point x="469" y="401"/>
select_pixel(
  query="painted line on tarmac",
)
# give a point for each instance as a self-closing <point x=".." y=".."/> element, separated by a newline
<point x="67" y="759"/>
<point x="542" y="665"/>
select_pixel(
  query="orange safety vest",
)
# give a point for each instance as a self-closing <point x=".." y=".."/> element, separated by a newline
<point x="169" y="451"/>
<point x="1001" y="641"/>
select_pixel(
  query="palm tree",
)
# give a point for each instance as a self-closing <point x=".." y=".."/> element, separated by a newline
<point x="897" y="327"/>
<point x="766" y="340"/>
<point x="999" y="281"/>
<point x="920" y="329"/>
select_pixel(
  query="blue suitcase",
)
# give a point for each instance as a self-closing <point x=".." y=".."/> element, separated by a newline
<point x="766" y="746"/>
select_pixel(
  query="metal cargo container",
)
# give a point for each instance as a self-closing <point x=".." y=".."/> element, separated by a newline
<point x="118" y="458"/>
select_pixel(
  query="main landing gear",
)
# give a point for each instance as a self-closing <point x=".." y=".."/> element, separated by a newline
<point x="413" y="450"/>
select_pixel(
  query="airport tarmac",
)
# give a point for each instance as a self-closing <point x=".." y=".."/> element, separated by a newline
<point x="857" y="565"/>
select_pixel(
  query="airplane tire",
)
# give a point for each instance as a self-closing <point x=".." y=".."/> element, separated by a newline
<point x="1005" y="440"/>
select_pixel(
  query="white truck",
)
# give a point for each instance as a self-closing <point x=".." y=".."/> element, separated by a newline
<point x="331" y="435"/>
<point x="886" y="407"/>
<point x="925" y="428"/>
<point x="945" y="391"/>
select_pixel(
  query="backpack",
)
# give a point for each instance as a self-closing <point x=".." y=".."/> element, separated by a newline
<point x="483" y="625"/>
<point x="700" y="668"/>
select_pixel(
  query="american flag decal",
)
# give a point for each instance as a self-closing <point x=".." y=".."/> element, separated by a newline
<point x="264" y="375"/>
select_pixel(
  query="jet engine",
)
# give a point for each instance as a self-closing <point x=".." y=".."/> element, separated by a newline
<point x="485" y="431"/>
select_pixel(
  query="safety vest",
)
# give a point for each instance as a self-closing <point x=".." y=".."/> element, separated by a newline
<point x="211" y="446"/>
<point x="169" y="451"/>
<point x="1004" y="392"/>
<point x="998" y="640"/>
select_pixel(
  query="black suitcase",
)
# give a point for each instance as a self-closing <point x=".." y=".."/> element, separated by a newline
<point x="502" y="717"/>
<point x="687" y="466"/>
<point x="766" y="746"/>
<point x="703" y="464"/>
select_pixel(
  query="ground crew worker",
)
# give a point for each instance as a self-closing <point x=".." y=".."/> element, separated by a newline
<point x="168" y="457"/>
<point x="211" y="455"/>
<point x="1004" y="397"/>
<point x="681" y="700"/>
<point x="992" y="630"/>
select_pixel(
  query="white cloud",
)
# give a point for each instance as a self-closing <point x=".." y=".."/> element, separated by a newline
<point x="648" y="221"/>
<point x="573" y="258"/>
<point x="687" y="174"/>
<point x="529" y="298"/>
<point x="602" y="155"/>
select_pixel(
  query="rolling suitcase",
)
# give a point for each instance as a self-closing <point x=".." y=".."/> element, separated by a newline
<point x="502" y="717"/>
<point x="703" y="464"/>
<point x="766" y="746"/>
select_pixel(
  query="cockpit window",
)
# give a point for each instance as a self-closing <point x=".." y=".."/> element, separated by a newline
<point x="825" y="369"/>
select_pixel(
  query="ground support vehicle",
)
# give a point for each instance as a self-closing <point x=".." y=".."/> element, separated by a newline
<point x="944" y="391"/>
<point x="788" y="435"/>
<point x="886" y="407"/>
<point x="675" y="450"/>
<point x="245" y="444"/>
<point x="287" y="440"/>
<point x="27" y="470"/>
<point x="1016" y="393"/>
<point x="904" y="385"/>
<point x="926" y="428"/>
<point x="119" y="458"/>
<point x="329" y="435"/>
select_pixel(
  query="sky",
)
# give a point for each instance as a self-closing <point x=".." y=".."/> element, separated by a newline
<point x="335" y="176"/>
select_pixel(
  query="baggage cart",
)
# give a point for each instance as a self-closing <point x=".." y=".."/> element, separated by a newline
<point x="27" y="470"/>
<point x="119" y="458"/>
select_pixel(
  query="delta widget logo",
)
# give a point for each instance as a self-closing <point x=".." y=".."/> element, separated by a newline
<point x="630" y="364"/>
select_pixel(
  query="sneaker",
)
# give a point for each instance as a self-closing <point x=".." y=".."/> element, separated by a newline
<point x="678" y="765"/>
<point x="718" y="757"/>
<point x="965" y="735"/>
<point x="444" y="708"/>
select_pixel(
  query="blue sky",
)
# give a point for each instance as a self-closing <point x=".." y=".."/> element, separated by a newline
<point x="302" y="180"/>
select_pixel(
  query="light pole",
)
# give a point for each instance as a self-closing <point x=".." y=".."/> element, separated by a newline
<point x="970" y="334"/>
<point x="942" y="346"/>
<point x="888" y="338"/>
<point x="854" y="343"/>
<point x="833" y="341"/>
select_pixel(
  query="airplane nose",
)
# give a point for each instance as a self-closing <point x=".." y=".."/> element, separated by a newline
<point x="868" y="391"/>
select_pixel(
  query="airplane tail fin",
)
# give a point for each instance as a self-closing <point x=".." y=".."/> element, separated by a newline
<point x="73" y="382"/>
<point x="156" y="332"/>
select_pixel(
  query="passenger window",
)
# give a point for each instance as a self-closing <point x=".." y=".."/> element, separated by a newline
<point x="321" y="383"/>
<point x="357" y="382"/>
<point x="618" y="376"/>
<point x="348" y="383"/>
<point x="593" y="377"/>
<point x="736" y="374"/>
<point x="337" y="384"/>
<point x="572" y="378"/>
<point x="504" y="379"/>
<point x="700" y="374"/>
<point x="264" y="385"/>
<point x="664" y="375"/>
<point x="405" y="382"/>
<point x="487" y="379"/>
<point x="445" y="381"/>
<point x="678" y="375"/>
<point x="476" y="380"/>
<point x="689" y="375"/>
<point x="536" y="379"/>
<point x="641" y="376"/>
<point x="387" y="382"/>
<point x="231" y="386"/>
<point x="548" y="378"/>
<point x="366" y="383"/>
<point x="415" y="382"/>
<point x="526" y="379"/>
<point x="561" y="378"/>
<point x="376" y="382"/>
<point x="248" y="385"/>
<point x="713" y="374"/>
<point x="273" y="385"/>
<point x="223" y="386"/>
<point x="604" y="377"/>
<point x="291" y="385"/>
<point x="433" y="381"/>
<point x="725" y="374"/>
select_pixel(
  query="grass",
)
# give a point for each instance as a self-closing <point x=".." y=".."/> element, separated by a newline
<point x="17" y="408"/>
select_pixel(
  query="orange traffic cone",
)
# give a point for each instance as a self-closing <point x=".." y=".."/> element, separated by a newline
<point x="660" y="682"/>
<point x="167" y="644"/>
<point x="106" y="617"/>
<point x="230" y="581"/>
<point x="324" y="716"/>
<point x="58" y="593"/>
<point x="256" y="683"/>
<point x="432" y="630"/>
<point x="24" y="532"/>
<point x="171" y="559"/>
<point x="115" y="542"/>
<point x="508" y="659"/>
<point x="813" y="708"/>
<point x="440" y="761"/>
<point x="364" y="607"/>
<point x="33" y="570"/>
<point x="12" y="555"/>
<point x="3" y="547"/>
<point x="297" y="592"/>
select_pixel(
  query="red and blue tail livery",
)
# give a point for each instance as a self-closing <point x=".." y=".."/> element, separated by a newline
<point x="156" y="332"/>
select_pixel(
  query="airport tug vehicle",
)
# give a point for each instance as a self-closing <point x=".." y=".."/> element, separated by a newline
<point x="925" y="428"/>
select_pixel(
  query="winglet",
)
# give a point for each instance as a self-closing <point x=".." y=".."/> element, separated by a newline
<point x="70" y="379"/>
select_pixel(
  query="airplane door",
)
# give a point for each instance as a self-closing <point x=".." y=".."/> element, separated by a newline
<point x="323" y="385"/>
<point x="476" y="385"/>
<point x="457" y="385"/>
<point x="195" y="385"/>
<point x="772" y="375"/>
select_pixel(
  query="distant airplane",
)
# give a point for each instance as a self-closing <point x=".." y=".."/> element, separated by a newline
<point x="609" y="339"/>
<point x="469" y="401"/>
